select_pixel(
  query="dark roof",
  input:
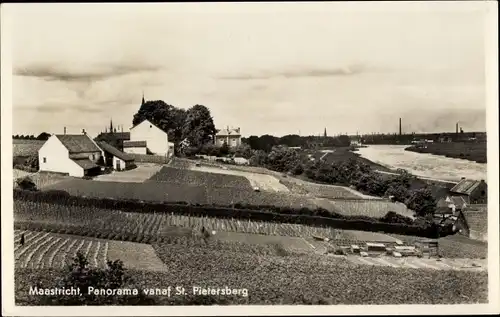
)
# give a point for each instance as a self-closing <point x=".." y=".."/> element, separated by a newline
<point x="114" y="135"/>
<point x="86" y="164"/>
<point x="79" y="156"/>
<point x="115" y="152"/>
<point x="465" y="186"/>
<point x="78" y="143"/>
<point x="477" y="220"/>
<point x="227" y="132"/>
<point x="134" y="144"/>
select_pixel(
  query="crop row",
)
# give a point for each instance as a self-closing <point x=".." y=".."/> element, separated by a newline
<point x="143" y="227"/>
<point x="44" y="250"/>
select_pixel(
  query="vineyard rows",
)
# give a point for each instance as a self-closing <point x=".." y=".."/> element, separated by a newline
<point x="44" y="250"/>
<point x="145" y="227"/>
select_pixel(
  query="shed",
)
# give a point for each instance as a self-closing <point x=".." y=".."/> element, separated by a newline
<point x="116" y="158"/>
<point x="473" y="191"/>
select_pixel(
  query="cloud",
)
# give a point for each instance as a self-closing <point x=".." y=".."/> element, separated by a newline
<point x="53" y="72"/>
<point x="349" y="70"/>
<point x="59" y="107"/>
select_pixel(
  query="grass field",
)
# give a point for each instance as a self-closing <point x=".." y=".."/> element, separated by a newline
<point x="178" y="192"/>
<point x="263" y="181"/>
<point x="372" y="208"/>
<point x="199" y="178"/>
<point x="26" y="147"/>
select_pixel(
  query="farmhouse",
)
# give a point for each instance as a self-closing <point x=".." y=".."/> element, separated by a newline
<point x="116" y="158"/>
<point x="232" y="137"/>
<point x="450" y="205"/>
<point x="147" y="138"/>
<point x="473" y="192"/>
<point x="72" y="154"/>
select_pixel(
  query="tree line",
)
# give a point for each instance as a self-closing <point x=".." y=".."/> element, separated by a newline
<point x="42" y="137"/>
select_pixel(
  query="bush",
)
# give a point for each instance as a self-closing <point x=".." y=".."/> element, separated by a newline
<point x="81" y="276"/>
<point x="26" y="183"/>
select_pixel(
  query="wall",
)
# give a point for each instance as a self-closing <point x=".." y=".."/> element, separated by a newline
<point x="135" y="150"/>
<point x="156" y="139"/>
<point x="57" y="158"/>
<point x="477" y="196"/>
<point x="143" y="158"/>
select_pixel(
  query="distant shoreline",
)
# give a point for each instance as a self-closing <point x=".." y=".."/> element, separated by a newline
<point x="473" y="152"/>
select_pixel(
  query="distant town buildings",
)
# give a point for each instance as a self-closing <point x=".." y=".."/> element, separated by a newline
<point x="232" y="137"/>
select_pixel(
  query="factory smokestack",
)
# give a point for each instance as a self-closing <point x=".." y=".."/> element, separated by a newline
<point x="456" y="128"/>
<point x="64" y="130"/>
<point x="400" y="131"/>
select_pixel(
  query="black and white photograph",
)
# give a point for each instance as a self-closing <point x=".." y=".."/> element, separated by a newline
<point x="242" y="158"/>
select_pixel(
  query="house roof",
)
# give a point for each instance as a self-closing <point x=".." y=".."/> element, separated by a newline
<point x="78" y="143"/>
<point x="114" y="135"/>
<point x="477" y="220"/>
<point x="115" y="152"/>
<point x="465" y="186"/>
<point x="445" y="202"/>
<point x="86" y="164"/>
<point x="228" y="132"/>
<point x="134" y="144"/>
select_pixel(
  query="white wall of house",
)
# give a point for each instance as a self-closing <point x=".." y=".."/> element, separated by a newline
<point x="156" y="139"/>
<point x="230" y="140"/>
<point x="117" y="161"/>
<point x="135" y="150"/>
<point x="53" y="156"/>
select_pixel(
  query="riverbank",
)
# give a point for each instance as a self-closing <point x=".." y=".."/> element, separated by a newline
<point x="475" y="152"/>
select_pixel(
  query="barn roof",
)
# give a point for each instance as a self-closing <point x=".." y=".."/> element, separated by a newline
<point x="465" y="186"/>
<point x="114" y="151"/>
<point x="78" y="143"/>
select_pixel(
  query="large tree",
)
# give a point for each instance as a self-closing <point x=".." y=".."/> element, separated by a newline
<point x="422" y="202"/>
<point x="199" y="127"/>
<point x="167" y="117"/>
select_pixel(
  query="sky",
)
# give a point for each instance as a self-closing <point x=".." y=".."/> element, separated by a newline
<point x="268" y="68"/>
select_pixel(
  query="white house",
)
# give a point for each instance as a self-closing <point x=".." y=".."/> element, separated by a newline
<point x="147" y="138"/>
<point x="232" y="137"/>
<point x="72" y="154"/>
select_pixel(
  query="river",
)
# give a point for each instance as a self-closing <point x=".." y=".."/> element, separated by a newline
<point x="421" y="164"/>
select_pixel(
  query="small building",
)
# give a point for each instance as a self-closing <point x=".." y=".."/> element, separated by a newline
<point x="473" y="192"/>
<point x="450" y="205"/>
<point x="114" y="139"/>
<point x="116" y="158"/>
<point x="73" y="154"/>
<point x="147" y="138"/>
<point x="232" y="137"/>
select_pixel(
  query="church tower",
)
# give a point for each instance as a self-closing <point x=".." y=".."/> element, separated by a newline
<point x="324" y="133"/>
<point x="143" y="101"/>
<point x="111" y="126"/>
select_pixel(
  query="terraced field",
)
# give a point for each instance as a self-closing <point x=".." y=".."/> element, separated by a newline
<point x="44" y="250"/>
<point x="26" y="147"/>
<point x="367" y="207"/>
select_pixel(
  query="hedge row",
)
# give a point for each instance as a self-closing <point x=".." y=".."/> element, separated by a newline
<point x="318" y="217"/>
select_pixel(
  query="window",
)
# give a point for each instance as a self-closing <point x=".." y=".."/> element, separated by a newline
<point x="45" y="160"/>
<point x="93" y="157"/>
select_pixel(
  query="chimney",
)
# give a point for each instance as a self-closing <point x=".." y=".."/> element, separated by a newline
<point x="64" y="130"/>
<point x="400" y="132"/>
<point x="456" y="128"/>
<point x="83" y="132"/>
